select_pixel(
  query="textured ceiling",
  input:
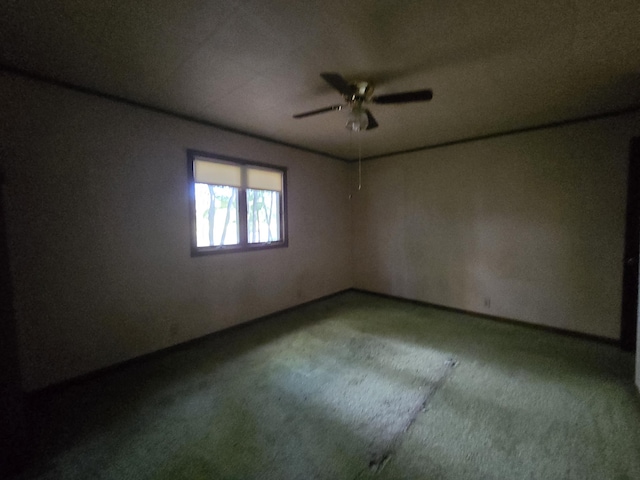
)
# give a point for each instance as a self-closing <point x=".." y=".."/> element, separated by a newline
<point x="250" y="65"/>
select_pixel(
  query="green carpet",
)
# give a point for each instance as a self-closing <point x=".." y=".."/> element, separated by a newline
<point x="352" y="387"/>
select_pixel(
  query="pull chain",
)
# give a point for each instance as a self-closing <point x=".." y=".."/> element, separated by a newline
<point x="359" y="161"/>
<point x="357" y="132"/>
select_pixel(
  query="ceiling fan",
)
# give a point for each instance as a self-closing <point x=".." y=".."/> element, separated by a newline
<point x="357" y="94"/>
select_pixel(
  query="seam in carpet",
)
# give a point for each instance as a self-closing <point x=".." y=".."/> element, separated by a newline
<point x="380" y="459"/>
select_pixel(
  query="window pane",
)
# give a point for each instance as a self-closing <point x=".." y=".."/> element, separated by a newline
<point x="263" y="216"/>
<point x="216" y="215"/>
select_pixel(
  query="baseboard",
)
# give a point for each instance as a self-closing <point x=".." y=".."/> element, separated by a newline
<point x="184" y="345"/>
<point x="33" y="395"/>
<point x="557" y="330"/>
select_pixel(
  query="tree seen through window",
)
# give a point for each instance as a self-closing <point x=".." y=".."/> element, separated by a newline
<point x="236" y="205"/>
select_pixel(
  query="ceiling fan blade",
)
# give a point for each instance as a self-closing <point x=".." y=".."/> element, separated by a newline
<point x="338" y="82"/>
<point x="320" y="110"/>
<point x="372" y="121"/>
<point x="404" y="97"/>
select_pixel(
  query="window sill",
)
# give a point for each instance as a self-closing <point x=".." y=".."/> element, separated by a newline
<point x="200" y="251"/>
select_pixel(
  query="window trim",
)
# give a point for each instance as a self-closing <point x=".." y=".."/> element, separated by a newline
<point x="196" y="251"/>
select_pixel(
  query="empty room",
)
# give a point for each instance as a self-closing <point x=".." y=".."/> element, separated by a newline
<point x="267" y="239"/>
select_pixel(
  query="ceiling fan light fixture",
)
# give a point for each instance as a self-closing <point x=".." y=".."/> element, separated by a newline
<point x="357" y="119"/>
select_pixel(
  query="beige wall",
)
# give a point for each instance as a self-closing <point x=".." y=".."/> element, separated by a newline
<point x="97" y="213"/>
<point x="526" y="226"/>
<point x="98" y="223"/>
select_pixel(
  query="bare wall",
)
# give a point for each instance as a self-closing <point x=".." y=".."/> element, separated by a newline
<point x="98" y="224"/>
<point x="527" y="226"/>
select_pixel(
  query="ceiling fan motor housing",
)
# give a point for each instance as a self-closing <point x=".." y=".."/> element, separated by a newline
<point x="362" y="92"/>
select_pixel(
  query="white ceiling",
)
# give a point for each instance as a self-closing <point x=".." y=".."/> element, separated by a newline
<point x="251" y="64"/>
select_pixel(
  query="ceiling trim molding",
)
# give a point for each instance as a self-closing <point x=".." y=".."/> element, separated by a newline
<point x="559" y="123"/>
<point x="116" y="98"/>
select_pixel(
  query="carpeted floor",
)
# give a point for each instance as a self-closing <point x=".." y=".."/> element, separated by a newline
<point x="352" y="387"/>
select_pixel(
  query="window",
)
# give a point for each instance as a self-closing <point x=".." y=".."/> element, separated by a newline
<point x="235" y="204"/>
